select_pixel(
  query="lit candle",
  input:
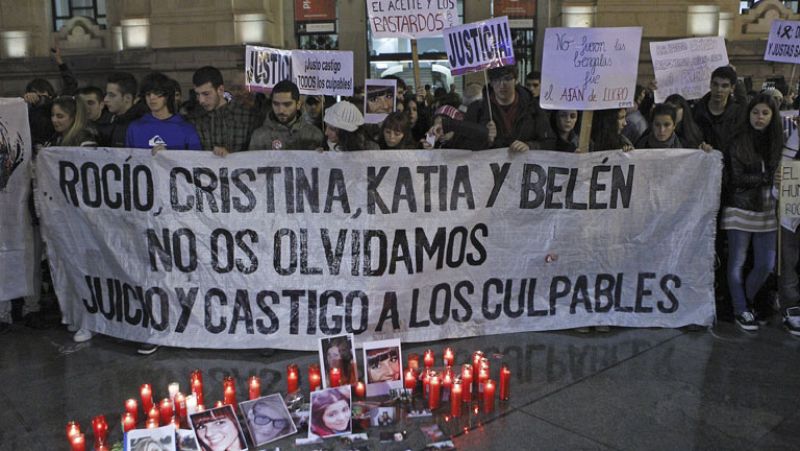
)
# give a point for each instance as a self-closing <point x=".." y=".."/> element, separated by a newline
<point x="218" y="404"/>
<point x="153" y="414"/>
<point x="466" y="382"/>
<point x="429" y="359"/>
<point x="360" y="390"/>
<point x="292" y="378"/>
<point x="78" y="442"/>
<point x="255" y="387"/>
<point x="413" y="362"/>
<point x="180" y="405"/>
<point x="335" y="377"/>
<point x="505" y="381"/>
<point x="196" y="382"/>
<point x="146" y="393"/>
<point x="173" y="389"/>
<point x="426" y="381"/>
<point x="435" y="387"/>
<point x="483" y="376"/>
<point x="174" y="421"/>
<point x="100" y="428"/>
<point x="314" y="377"/>
<point x="229" y="391"/>
<point x="191" y="404"/>
<point x="166" y="411"/>
<point x="151" y="423"/>
<point x="73" y="428"/>
<point x="476" y="363"/>
<point x="410" y="380"/>
<point x="447" y="384"/>
<point x="449" y="357"/>
<point x="200" y="408"/>
<point x="455" y="399"/>
<point x="128" y="422"/>
<point x="488" y="396"/>
<point x="102" y="447"/>
<point x="132" y="407"/>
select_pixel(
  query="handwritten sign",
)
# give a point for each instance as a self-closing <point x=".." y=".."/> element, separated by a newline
<point x="479" y="45"/>
<point x="265" y="67"/>
<point x="590" y="68"/>
<point x="684" y="66"/>
<point x="323" y="72"/>
<point x="411" y="18"/>
<point x="783" y="45"/>
<point x="790" y="189"/>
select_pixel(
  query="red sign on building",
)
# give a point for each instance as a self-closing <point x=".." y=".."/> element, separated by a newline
<point x="515" y="8"/>
<point x="314" y="10"/>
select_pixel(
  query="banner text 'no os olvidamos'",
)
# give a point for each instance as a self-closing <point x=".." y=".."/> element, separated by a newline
<point x="187" y="249"/>
<point x="411" y="19"/>
<point x="479" y="45"/>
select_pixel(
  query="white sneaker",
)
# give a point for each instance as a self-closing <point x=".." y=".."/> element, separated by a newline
<point x="792" y="320"/>
<point x="82" y="335"/>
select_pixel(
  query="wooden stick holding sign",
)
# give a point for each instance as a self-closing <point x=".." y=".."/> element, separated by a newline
<point x="585" y="138"/>
<point x="415" y="65"/>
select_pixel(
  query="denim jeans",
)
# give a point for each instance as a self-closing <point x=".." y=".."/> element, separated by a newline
<point x="763" y="263"/>
<point x="788" y="282"/>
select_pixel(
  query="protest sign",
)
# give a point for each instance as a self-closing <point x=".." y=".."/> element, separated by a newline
<point x="327" y="73"/>
<point x="590" y="68"/>
<point x="684" y="66"/>
<point x="265" y="67"/>
<point x="411" y="18"/>
<point x="16" y="231"/>
<point x="479" y="45"/>
<point x="790" y="189"/>
<point x="187" y="249"/>
<point x="783" y="44"/>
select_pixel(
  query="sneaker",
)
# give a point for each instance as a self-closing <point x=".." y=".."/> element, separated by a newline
<point x="147" y="349"/>
<point x="746" y="321"/>
<point x="791" y="321"/>
<point x="82" y="335"/>
<point x="72" y="328"/>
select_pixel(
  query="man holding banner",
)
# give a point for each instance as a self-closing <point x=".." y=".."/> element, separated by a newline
<point x="284" y="127"/>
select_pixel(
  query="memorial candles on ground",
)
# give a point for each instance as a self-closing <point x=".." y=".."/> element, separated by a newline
<point x="455" y="399"/>
<point x="413" y="362"/>
<point x="488" y="396"/>
<point x="476" y="363"/>
<point x="229" y="391"/>
<point x="165" y="411"/>
<point x="132" y="407"/>
<point x="335" y="377"/>
<point x="128" y="422"/>
<point x="505" y="380"/>
<point x="191" y="405"/>
<point x="100" y="428"/>
<point x="449" y="357"/>
<point x="360" y="390"/>
<point x="410" y="380"/>
<point x="466" y="381"/>
<point x="292" y="378"/>
<point x="254" y="383"/>
<point x="181" y="409"/>
<point x="314" y="377"/>
<point x="78" y="442"/>
<point x="447" y="383"/>
<point x="73" y="428"/>
<point x="146" y="393"/>
<point x="173" y="388"/>
<point x="153" y="414"/>
<point x="428" y="359"/>
<point x="196" y="383"/>
<point x="151" y="423"/>
<point x="434" y="391"/>
<point x="483" y="376"/>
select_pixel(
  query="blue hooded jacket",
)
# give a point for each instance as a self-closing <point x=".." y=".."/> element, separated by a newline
<point x="174" y="133"/>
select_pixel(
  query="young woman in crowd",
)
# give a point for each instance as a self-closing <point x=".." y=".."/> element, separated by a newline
<point x="70" y="123"/>
<point x="330" y="412"/>
<point x="419" y="117"/>
<point x="344" y="130"/>
<point x="565" y="126"/>
<point x="685" y="127"/>
<point x="395" y="133"/>
<point x="444" y="132"/>
<point x="661" y="133"/>
<point x="607" y="128"/>
<point x="748" y="213"/>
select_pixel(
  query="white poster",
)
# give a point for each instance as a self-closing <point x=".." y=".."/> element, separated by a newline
<point x="320" y="72"/>
<point x="783" y="44"/>
<point x="684" y="66"/>
<point x="265" y="67"/>
<point x="16" y="232"/>
<point x="380" y="99"/>
<point x="411" y="19"/>
<point x="187" y="249"/>
<point x="590" y="68"/>
<point x="479" y="45"/>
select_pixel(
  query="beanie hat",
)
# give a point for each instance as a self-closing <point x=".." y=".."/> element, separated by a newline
<point x="449" y="111"/>
<point x="345" y="116"/>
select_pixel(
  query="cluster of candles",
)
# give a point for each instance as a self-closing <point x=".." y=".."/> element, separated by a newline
<point x="473" y="381"/>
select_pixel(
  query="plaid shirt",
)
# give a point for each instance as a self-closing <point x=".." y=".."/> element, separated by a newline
<point x="229" y="126"/>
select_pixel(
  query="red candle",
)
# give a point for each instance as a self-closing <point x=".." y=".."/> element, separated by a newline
<point x="466" y="382"/>
<point x="483" y="376"/>
<point x="410" y="380"/>
<point x="449" y="357"/>
<point x="435" y="392"/>
<point x="146" y="393"/>
<point x="132" y="407"/>
<point x="152" y="423"/>
<point x="413" y="362"/>
<point x="292" y="378"/>
<point x="360" y="390"/>
<point x="335" y="377"/>
<point x="255" y="387"/>
<point x="196" y="384"/>
<point x="447" y="384"/>
<point x="229" y="391"/>
<point x="78" y="442"/>
<point x="175" y="422"/>
<point x="314" y="377"/>
<point x="180" y="406"/>
<point x="102" y="447"/>
<point x="166" y="411"/>
<point x="218" y="404"/>
<point x="426" y="381"/>
<point x="488" y="396"/>
<point x="455" y="400"/>
<point x="429" y="359"/>
<point x="476" y="363"/>
<point x="505" y="381"/>
<point x="200" y="408"/>
<point x="73" y="428"/>
<point x="153" y="414"/>
<point x="100" y="428"/>
<point x="128" y="422"/>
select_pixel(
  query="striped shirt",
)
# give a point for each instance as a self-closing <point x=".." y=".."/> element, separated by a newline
<point x="752" y="221"/>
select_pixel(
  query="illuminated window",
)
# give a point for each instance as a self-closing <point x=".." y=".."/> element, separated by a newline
<point x="63" y="10"/>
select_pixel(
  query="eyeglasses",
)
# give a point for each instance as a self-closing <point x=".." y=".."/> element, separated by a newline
<point x="263" y="420"/>
<point x="504" y="79"/>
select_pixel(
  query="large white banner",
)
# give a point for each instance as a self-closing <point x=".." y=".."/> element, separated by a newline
<point x="684" y="66"/>
<point x="590" y="68"/>
<point x="479" y="45"/>
<point x="16" y="232"/>
<point x="186" y="249"/>
<point x="411" y="18"/>
<point x="783" y="44"/>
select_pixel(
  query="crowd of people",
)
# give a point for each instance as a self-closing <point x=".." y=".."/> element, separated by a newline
<point x="745" y="126"/>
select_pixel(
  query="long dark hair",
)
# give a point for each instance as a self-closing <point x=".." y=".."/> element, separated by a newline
<point x="687" y="129"/>
<point x="399" y="122"/>
<point x="605" y="135"/>
<point x="320" y="403"/>
<point x="751" y="145"/>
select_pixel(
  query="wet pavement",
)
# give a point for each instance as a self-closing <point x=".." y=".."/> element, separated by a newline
<point x="625" y="389"/>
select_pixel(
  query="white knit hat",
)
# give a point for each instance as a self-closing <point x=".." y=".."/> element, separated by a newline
<point x="345" y="116"/>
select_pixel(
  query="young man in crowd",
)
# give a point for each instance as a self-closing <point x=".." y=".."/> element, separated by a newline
<point x="284" y="127"/>
<point x="225" y="126"/>
<point x="39" y="94"/>
<point x="533" y="81"/>
<point x="92" y="98"/>
<point x="122" y="103"/>
<point x="718" y="112"/>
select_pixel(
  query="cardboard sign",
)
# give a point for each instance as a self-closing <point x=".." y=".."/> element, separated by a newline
<point x="479" y="45"/>
<point x="265" y="67"/>
<point x="783" y="45"/>
<point x="411" y="18"/>
<point x="590" y="68"/>
<point x="323" y="72"/>
<point x="790" y="189"/>
<point x="684" y="66"/>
